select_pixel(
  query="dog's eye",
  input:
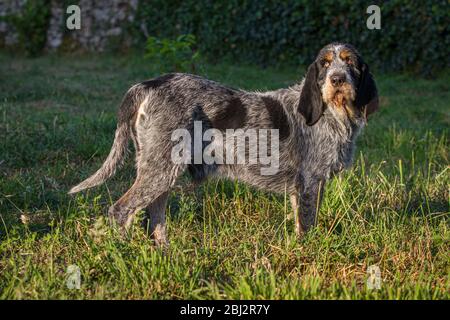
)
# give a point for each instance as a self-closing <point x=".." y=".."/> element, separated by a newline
<point x="325" y="63"/>
<point x="348" y="60"/>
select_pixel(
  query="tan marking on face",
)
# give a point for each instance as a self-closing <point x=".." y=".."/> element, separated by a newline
<point x="340" y="99"/>
<point x="351" y="111"/>
<point x="327" y="91"/>
<point x="344" y="54"/>
<point x="337" y="96"/>
<point x="328" y="56"/>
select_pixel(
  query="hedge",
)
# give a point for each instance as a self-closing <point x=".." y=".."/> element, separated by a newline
<point x="414" y="34"/>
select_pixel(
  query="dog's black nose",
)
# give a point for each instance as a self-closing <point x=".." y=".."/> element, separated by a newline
<point x="337" y="79"/>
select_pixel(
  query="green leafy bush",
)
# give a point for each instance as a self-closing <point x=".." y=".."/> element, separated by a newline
<point x="414" y="34"/>
<point x="31" y="25"/>
<point x="173" y="55"/>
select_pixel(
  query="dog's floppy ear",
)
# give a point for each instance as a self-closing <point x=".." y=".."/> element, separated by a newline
<point x="367" y="94"/>
<point x="311" y="104"/>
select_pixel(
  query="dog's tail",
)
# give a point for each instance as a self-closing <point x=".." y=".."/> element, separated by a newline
<point x="119" y="148"/>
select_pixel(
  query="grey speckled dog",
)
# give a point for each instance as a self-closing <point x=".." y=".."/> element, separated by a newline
<point x="318" y="121"/>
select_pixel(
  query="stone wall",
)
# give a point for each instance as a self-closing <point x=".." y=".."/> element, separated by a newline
<point x="101" y="21"/>
<point x="8" y="36"/>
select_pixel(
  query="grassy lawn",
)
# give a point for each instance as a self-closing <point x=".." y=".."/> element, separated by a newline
<point x="57" y="122"/>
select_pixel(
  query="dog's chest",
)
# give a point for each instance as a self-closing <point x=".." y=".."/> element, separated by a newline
<point x="327" y="149"/>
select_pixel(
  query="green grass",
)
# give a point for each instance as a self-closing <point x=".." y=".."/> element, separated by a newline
<point x="57" y="119"/>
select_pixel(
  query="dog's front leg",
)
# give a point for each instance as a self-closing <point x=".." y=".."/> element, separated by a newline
<point x="296" y="208"/>
<point x="310" y="196"/>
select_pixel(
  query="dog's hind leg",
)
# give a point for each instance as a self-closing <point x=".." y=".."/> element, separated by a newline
<point x="155" y="219"/>
<point x="150" y="189"/>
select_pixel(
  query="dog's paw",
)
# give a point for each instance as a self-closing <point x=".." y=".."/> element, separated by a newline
<point x="119" y="218"/>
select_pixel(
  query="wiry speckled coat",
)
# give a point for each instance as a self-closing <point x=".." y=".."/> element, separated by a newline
<point x="318" y="121"/>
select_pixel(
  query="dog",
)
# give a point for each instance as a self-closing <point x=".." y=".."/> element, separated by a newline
<point x="317" y="121"/>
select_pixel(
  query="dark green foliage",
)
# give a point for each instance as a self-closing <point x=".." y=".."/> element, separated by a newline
<point x="173" y="55"/>
<point x="413" y="36"/>
<point x="31" y="25"/>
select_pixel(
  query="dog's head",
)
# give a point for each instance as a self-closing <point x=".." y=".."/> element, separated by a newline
<point x="341" y="80"/>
